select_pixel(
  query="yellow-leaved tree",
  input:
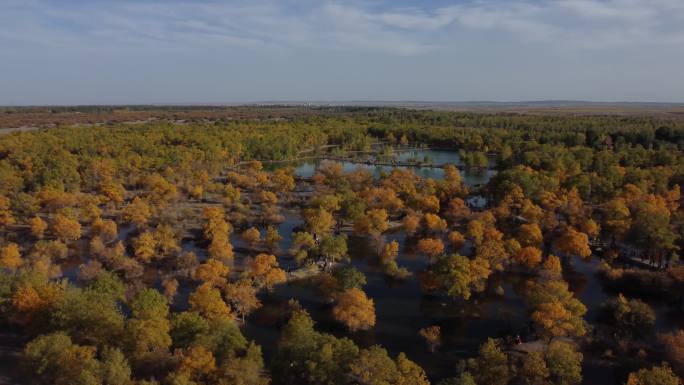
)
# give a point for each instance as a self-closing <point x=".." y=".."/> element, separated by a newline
<point x="38" y="227"/>
<point x="265" y="272"/>
<point x="10" y="257"/>
<point x="355" y="310"/>
<point x="66" y="228"/>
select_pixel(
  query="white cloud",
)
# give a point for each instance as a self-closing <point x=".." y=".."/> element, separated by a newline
<point x="351" y="25"/>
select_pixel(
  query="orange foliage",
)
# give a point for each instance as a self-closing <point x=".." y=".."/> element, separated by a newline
<point x="432" y="247"/>
<point x="411" y="223"/>
<point x="476" y="230"/>
<point x="196" y="192"/>
<point x="243" y="297"/>
<point x="272" y="238"/>
<point x="452" y="184"/>
<point x="434" y="223"/>
<point x="159" y="190"/>
<point x="10" y="257"/>
<point x="166" y="239"/>
<point x="329" y="173"/>
<point x="673" y="197"/>
<point x="573" y="242"/>
<point x="492" y="248"/>
<point x="221" y="249"/>
<point x="170" y="286"/>
<point x="382" y="198"/>
<point x="138" y="212"/>
<point x="90" y="212"/>
<point x="552" y="267"/>
<point x="430" y="204"/>
<point x="456" y="240"/>
<point x="145" y="247"/>
<point x="105" y="229"/>
<point x="573" y="207"/>
<point x="389" y="252"/>
<point x="38" y="227"/>
<point x="197" y="361"/>
<point x="402" y="181"/>
<point x="531" y="212"/>
<point x="65" y="228"/>
<point x="674" y="349"/>
<point x="530" y="235"/>
<point x="29" y="300"/>
<point x="556" y="320"/>
<point x="251" y="236"/>
<point x="54" y="199"/>
<point x="231" y="195"/>
<point x="96" y="246"/>
<point x="267" y="197"/>
<point x="207" y="301"/>
<point x="212" y="272"/>
<point x="529" y="257"/>
<point x="591" y="228"/>
<point x="6" y="217"/>
<point x="264" y="271"/>
<point x="51" y="249"/>
<point x="374" y="223"/>
<point x="282" y="179"/>
<point x="113" y="192"/>
<point x="355" y="310"/>
<point x="432" y="336"/>
<point x="216" y="223"/>
<point x="457" y="210"/>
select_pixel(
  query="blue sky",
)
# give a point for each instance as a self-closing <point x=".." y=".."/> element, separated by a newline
<point x="204" y="51"/>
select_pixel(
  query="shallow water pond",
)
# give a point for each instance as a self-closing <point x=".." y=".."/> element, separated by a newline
<point x="402" y="309"/>
<point x="307" y="168"/>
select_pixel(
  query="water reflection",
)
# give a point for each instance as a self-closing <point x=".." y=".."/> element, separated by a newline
<point x="307" y="168"/>
<point x="401" y="310"/>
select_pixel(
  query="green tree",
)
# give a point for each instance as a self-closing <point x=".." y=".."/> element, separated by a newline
<point x="114" y="368"/>
<point x="89" y="316"/>
<point x="651" y="229"/>
<point x="564" y="362"/>
<point x="491" y="366"/>
<point x="454" y="273"/>
<point x="349" y="277"/>
<point x="223" y="338"/>
<point x="305" y="356"/>
<point x="186" y="327"/>
<point x="333" y="248"/>
<point x="57" y="360"/>
<point x="247" y="369"/>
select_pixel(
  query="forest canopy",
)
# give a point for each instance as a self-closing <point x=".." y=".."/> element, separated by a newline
<point x="189" y="247"/>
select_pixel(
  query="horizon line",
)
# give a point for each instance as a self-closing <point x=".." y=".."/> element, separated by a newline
<point x="361" y="103"/>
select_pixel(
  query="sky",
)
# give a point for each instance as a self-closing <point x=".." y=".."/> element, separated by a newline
<point x="210" y="51"/>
